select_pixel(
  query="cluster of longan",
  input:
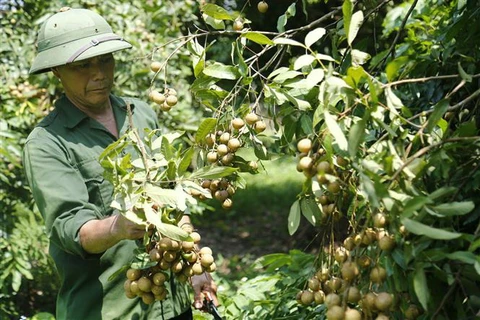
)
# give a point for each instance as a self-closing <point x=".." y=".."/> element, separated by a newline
<point x="26" y="90"/>
<point x="165" y="100"/>
<point x="328" y="175"/>
<point x="182" y="258"/>
<point x="337" y="286"/>
<point x="220" y="189"/>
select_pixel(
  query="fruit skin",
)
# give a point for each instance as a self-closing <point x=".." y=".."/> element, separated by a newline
<point x="155" y="66"/>
<point x="383" y="301"/>
<point x="304" y="145"/>
<point x="307" y="297"/>
<point x="237" y="25"/>
<point x="262" y="6"/>
<point x="335" y="313"/>
<point x="352" y="314"/>
<point x="251" y="118"/>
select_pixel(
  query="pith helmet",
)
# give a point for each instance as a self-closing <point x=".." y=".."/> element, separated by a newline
<point x="72" y="35"/>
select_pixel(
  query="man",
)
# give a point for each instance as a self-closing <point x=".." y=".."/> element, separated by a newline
<point x="88" y="240"/>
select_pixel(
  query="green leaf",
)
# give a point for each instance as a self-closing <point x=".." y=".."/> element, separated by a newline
<point x="210" y="172"/>
<point x="142" y="261"/>
<point x="282" y="20"/>
<point x="119" y="272"/>
<point x="205" y="128"/>
<point x="359" y="57"/>
<point x="355" y="137"/>
<point x="313" y="36"/>
<point x="257" y="38"/>
<point x="310" y="210"/>
<point x="303" y="61"/>
<point x="355" y="24"/>
<point x="438" y="111"/>
<point x="463" y="256"/>
<point x="414" y="204"/>
<point x="454" y="208"/>
<point x="336" y="131"/>
<point x="220" y="71"/>
<point x="186" y="161"/>
<point x="465" y="76"/>
<point x="394" y="66"/>
<point x="347" y="10"/>
<point x="288" y="41"/>
<point x="173" y="232"/>
<point x="216" y="12"/>
<point x="43" y="316"/>
<point x="294" y="217"/>
<point x="430" y="232"/>
<point x="420" y="286"/>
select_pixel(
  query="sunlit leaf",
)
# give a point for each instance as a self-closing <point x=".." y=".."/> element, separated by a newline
<point x="438" y="111"/>
<point x="310" y="210"/>
<point x="454" y="208"/>
<point x="430" y="232"/>
<point x="294" y="217"/>
<point x="302" y="61"/>
<point x="355" y="137"/>
<point x="313" y="36"/>
<point x="210" y="172"/>
<point x="216" y="12"/>
<point x="355" y="24"/>
<point x="336" y="131"/>
<point x="220" y="71"/>
<point x="288" y="41"/>
<point x="205" y="128"/>
<point x="257" y="37"/>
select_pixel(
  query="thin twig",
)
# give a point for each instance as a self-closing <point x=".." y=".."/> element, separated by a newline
<point x="140" y="144"/>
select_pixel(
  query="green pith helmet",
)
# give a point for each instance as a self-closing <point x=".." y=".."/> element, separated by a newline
<point x="72" y="35"/>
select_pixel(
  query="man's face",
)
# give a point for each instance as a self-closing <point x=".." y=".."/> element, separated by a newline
<point x="88" y="83"/>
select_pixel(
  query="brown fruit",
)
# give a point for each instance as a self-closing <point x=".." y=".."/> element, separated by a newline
<point x="378" y="274"/>
<point x="324" y="167"/>
<point x="159" y="278"/>
<point x="386" y="243"/>
<point x="134" y="287"/>
<point x="171" y="100"/>
<point x="412" y="312"/>
<point x="195" y="237"/>
<point x="227" y="159"/>
<point x="130" y="295"/>
<point x="188" y="246"/>
<point x="210" y="140"/>
<point x="233" y="144"/>
<point x="238" y="25"/>
<point x="211" y="268"/>
<point x="341" y="255"/>
<point x="227" y="204"/>
<point x="169" y="256"/>
<point x="157" y="97"/>
<point x="190" y="256"/>
<point x="259" y="126"/>
<point x="133" y="274"/>
<point x="349" y="243"/>
<point x="368" y="301"/>
<point x="382" y="316"/>
<point x="155" y="255"/>
<point x="148" y="298"/>
<point x="224" y="137"/>
<point x="349" y="271"/>
<point x="206" y="250"/>
<point x="379" y="220"/>
<point x="206" y="260"/>
<point x="161" y="296"/>
<point x="158" y="289"/>
<point x="353" y="295"/>
<point x="222" y="149"/>
<point x="170" y="91"/>
<point x="335" y="283"/>
<point x="323" y="274"/>
<point x="145" y="284"/>
<point x="342" y="162"/>
<point x="319" y="297"/>
<point x="352" y="314"/>
<point x="165" y="243"/>
<point x="304" y="145"/>
<point x="383" y="301"/>
<point x="314" y="284"/>
<point x="262" y="6"/>
<point x="335" y="313"/>
<point x="155" y="66"/>
<point x="221" y="195"/>
<point x="364" y="261"/>
<point x="238" y="123"/>
<point x="197" y="268"/>
<point x="305" y="163"/>
<point x="332" y="299"/>
<point x="334" y="187"/>
<point x="212" y="156"/>
<point x="307" y="297"/>
<point x="251" y="118"/>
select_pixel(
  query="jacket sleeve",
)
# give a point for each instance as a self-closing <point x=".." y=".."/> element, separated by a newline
<point x="59" y="191"/>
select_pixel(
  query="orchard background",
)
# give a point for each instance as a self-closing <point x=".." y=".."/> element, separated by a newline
<point x="355" y="185"/>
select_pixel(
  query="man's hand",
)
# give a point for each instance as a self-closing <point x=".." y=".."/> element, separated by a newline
<point x="203" y="283"/>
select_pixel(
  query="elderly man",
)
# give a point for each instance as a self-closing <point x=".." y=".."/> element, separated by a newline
<point x="88" y="240"/>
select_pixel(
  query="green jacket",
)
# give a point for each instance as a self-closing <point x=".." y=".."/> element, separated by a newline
<point x="61" y="164"/>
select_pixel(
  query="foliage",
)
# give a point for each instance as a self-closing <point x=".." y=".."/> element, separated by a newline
<point x="384" y="99"/>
